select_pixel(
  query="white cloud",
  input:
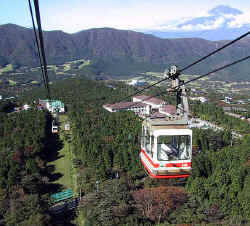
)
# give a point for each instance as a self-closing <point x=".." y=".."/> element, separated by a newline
<point x="172" y="24"/>
<point x="190" y="27"/>
<point x="240" y="20"/>
<point x="130" y="14"/>
<point x="229" y="16"/>
<point x="205" y="26"/>
<point x="230" y="20"/>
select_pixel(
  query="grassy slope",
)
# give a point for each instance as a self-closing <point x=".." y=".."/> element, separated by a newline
<point x="69" y="179"/>
<point x="63" y="165"/>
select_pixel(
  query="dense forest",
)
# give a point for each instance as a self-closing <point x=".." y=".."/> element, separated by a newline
<point x="115" y="188"/>
<point x="23" y="179"/>
<point x="220" y="181"/>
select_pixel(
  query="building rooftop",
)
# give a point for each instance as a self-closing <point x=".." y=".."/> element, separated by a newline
<point x="157" y="115"/>
<point x="170" y="109"/>
<point x="53" y="103"/>
<point x="124" y="105"/>
<point x="149" y="99"/>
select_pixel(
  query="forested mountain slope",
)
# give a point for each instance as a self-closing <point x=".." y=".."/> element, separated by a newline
<point x="107" y="143"/>
<point x="23" y="177"/>
<point x="120" y="52"/>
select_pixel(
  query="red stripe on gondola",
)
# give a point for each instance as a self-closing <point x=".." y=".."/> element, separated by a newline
<point x="163" y="176"/>
<point x="179" y="164"/>
<point x="155" y="165"/>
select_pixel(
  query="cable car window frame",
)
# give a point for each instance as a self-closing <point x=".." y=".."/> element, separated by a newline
<point x="176" y="142"/>
<point x="143" y="138"/>
<point x="147" y="142"/>
<point x="152" y="141"/>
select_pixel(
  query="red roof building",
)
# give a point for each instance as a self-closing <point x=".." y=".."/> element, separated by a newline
<point x="139" y="108"/>
<point x="157" y="115"/>
<point x="155" y="103"/>
<point x="168" y="110"/>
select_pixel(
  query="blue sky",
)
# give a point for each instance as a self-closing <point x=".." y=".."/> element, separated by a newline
<point x="75" y="15"/>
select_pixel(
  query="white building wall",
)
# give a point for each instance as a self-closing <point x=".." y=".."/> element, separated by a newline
<point x="156" y="106"/>
<point x="164" y="113"/>
<point x="148" y="110"/>
<point x="26" y="107"/>
<point x="62" y="110"/>
<point x="133" y="82"/>
<point x="201" y="99"/>
<point x="49" y="108"/>
<point x="136" y="100"/>
<point x="108" y="109"/>
<point x="145" y="110"/>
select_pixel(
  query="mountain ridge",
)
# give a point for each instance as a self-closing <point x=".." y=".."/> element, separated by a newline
<point x="115" y="51"/>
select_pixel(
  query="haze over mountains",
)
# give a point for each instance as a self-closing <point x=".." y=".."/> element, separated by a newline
<point x="120" y="52"/>
<point x="220" y="23"/>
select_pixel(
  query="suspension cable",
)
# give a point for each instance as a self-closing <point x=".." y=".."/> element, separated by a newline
<point x="211" y="72"/>
<point x="203" y="58"/>
<point x="37" y="44"/>
<point x="218" y="69"/>
<point x="217" y="50"/>
<point x="40" y="33"/>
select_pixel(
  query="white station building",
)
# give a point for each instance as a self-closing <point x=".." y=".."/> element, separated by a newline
<point x="139" y="108"/>
<point x="153" y="102"/>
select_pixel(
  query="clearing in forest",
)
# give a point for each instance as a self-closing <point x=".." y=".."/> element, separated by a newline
<point x="63" y="165"/>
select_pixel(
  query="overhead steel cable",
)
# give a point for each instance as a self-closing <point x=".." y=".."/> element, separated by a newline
<point x="211" y="72"/>
<point x="148" y="87"/>
<point x="217" y="50"/>
<point x="40" y="33"/>
<point x="190" y="65"/>
<point x="218" y="69"/>
<point x="37" y="43"/>
<point x="192" y="80"/>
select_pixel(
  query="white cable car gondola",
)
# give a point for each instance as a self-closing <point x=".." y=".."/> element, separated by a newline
<point x="54" y="128"/>
<point x="166" y="145"/>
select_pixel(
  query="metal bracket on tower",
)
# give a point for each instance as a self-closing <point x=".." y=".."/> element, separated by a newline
<point x="173" y="72"/>
<point x="178" y="86"/>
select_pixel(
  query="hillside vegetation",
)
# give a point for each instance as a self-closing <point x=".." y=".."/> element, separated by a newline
<point x="23" y="167"/>
<point x="116" y="190"/>
<point x="119" y="52"/>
